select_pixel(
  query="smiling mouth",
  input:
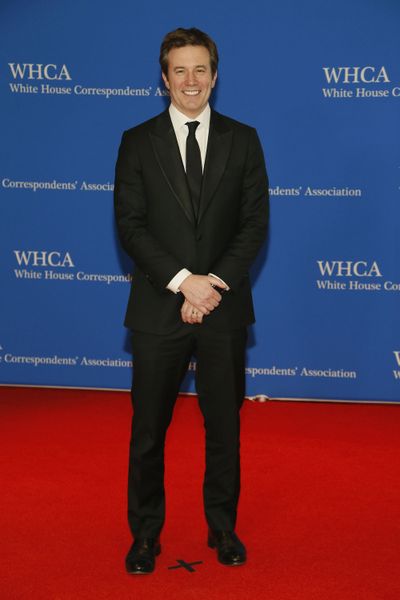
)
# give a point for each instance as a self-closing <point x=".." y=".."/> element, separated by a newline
<point x="191" y="92"/>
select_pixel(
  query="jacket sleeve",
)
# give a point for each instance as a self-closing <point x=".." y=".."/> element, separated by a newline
<point x="158" y="265"/>
<point x="233" y="265"/>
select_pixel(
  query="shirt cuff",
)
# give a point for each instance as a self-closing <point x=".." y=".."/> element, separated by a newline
<point x="221" y="280"/>
<point x="176" y="281"/>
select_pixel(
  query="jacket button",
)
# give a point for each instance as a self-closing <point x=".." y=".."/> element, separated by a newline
<point x="198" y="237"/>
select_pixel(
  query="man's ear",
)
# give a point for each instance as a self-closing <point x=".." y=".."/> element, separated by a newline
<point x="165" y="79"/>
<point x="214" y="79"/>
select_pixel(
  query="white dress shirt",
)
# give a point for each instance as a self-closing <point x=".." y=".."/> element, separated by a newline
<point x="179" y="121"/>
<point x="181" y="130"/>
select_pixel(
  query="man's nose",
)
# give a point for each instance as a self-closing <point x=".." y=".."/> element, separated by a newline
<point x="191" y="78"/>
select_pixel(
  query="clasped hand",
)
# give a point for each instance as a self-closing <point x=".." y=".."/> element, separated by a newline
<point x="201" y="297"/>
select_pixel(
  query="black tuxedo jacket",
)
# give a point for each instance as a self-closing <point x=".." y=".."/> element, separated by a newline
<point x="158" y="231"/>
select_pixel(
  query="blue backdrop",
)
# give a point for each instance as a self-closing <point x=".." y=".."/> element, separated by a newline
<point x="321" y="83"/>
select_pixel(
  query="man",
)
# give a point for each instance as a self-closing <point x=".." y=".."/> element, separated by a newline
<point x="191" y="209"/>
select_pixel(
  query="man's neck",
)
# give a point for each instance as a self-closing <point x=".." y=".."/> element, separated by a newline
<point x="184" y="117"/>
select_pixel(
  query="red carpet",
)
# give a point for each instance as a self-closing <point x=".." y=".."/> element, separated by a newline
<point x="320" y="507"/>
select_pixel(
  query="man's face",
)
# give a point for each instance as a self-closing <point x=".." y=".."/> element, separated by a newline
<point x="189" y="79"/>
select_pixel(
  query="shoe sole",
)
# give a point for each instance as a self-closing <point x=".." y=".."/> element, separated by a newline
<point x="140" y="572"/>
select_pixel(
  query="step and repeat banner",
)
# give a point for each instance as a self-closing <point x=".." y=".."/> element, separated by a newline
<point x="321" y="83"/>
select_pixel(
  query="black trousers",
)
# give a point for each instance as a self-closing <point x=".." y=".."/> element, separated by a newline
<point x="160" y="363"/>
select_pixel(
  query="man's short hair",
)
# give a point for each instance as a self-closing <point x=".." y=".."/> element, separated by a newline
<point x="187" y="37"/>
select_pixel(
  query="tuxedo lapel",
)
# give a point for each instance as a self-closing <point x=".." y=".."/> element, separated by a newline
<point x="167" y="152"/>
<point x="218" y="149"/>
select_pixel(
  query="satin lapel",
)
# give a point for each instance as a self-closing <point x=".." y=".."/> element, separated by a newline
<point x="168" y="156"/>
<point x="218" y="149"/>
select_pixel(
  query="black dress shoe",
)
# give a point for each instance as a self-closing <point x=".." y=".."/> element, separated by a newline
<point x="230" y="550"/>
<point x="141" y="558"/>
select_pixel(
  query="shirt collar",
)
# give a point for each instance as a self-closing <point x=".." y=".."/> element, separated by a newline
<point x="179" y="119"/>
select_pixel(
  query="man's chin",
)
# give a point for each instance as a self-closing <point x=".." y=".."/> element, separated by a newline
<point x="194" y="107"/>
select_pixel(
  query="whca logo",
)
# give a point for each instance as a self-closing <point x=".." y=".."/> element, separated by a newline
<point x="356" y="75"/>
<point x="43" y="258"/>
<point x="39" y="71"/>
<point x="348" y="268"/>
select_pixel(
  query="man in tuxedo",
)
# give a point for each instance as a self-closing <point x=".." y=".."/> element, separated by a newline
<point x="191" y="208"/>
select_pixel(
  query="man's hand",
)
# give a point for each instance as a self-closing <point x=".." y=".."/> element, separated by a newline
<point x="198" y="290"/>
<point x="190" y="314"/>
